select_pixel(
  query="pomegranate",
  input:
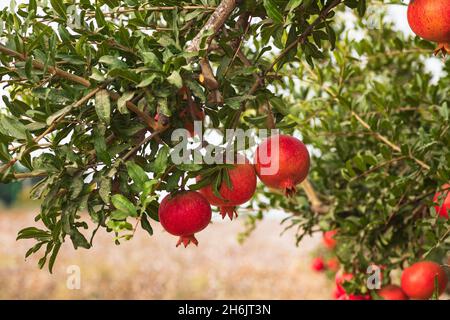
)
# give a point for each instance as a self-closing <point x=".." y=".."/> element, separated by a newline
<point x="418" y="280"/>
<point x="340" y="279"/>
<point x="392" y="292"/>
<point x="430" y="20"/>
<point x="317" y="264"/>
<point x="336" y="294"/>
<point x="333" y="264"/>
<point x="283" y="167"/>
<point x="444" y="209"/>
<point x="243" y="182"/>
<point x="328" y="239"/>
<point x="354" y="297"/>
<point x="183" y="214"/>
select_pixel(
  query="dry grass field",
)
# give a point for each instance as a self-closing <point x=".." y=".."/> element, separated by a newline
<point x="266" y="266"/>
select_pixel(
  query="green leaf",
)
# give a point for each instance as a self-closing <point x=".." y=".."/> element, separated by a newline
<point x="152" y="61"/>
<point x="79" y="240"/>
<point x="293" y="4"/>
<point x="59" y="7"/>
<point x="235" y="102"/>
<point x="76" y="187"/>
<point x="101" y="148"/>
<point x="113" y="62"/>
<point x="175" y="79"/>
<point x="104" y="191"/>
<point x="137" y="174"/>
<point x="103" y="106"/>
<point x="119" y="215"/>
<point x="147" y="81"/>
<point x="272" y="11"/>
<point x="161" y="160"/>
<point x="53" y="256"/>
<point x="145" y="224"/>
<point x="122" y="102"/>
<point x="123" y="204"/>
<point x="124" y="74"/>
<point x="12" y="127"/>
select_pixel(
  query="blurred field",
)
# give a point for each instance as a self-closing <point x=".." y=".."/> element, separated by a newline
<point x="266" y="266"/>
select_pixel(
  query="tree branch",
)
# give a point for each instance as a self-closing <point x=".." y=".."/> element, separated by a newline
<point x="214" y="23"/>
<point x="386" y="141"/>
<point x="84" y="82"/>
<point x="41" y="66"/>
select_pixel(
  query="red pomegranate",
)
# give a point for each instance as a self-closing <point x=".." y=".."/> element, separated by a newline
<point x="243" y="182"/>
<point x="340" y="278"/>
<point x="418" y="280"/>
<point x="183" y="214"/>
<point x="336" y="294"/>
<point x="333" y="264"/>
<point x="430" y="20"/>
<point x="392" y="292"/>
<point x="328" y="239"/>
<point x="354" y="297"/>
<point x="317" y="264"/>
<point x="444" y="209"/>
<point x="282" y="162"/>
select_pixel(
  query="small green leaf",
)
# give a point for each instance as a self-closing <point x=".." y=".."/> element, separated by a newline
<point x="145" y="224"/>
<point x="137" y="174"/>
<point x="161" y="160"/>
<point x="175" y="79"/>
<point x="123" y="204"/>
<point x="122" y="102"/>
<point x="105" y="189"/>
<point x="103" y="106"/>
<point x="272" y="11"/>
<point x="59" y="7"/>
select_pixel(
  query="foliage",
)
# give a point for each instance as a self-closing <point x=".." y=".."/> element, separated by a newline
<point x="87" y="79"/>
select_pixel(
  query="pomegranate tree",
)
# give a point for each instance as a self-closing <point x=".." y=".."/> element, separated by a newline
<point x="183" y="214"/>
<point x="430" y="20"/>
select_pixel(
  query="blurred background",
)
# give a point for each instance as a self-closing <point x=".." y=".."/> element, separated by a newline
<point x="267" y="265"/>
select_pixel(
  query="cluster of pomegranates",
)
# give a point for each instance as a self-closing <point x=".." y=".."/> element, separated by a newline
<point x="418" y="281"/>
<point x="430" y="20"/>
<point x="185" y="213"/>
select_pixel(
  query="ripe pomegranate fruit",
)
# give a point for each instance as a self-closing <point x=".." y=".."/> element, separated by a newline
<point x="333" y="264"/>
<point x="183" y="214"/>
<point x="243" y="182"/>
<point x="392" y="292"/>
<point x="430" y="20"/>
<point x="317" y="264"/>
<point x="328" y="239"/>
<point x="354" y="297"/>
<point x="444" y="209"/>
<point x="340" y="278"/>
<point x="336" y="294"/>
<point x="282" y="162"/>
<point x="418" y="279"/>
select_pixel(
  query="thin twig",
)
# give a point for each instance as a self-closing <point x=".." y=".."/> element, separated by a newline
<point x="153" y="8"/>
<point x="386" y="141"/>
